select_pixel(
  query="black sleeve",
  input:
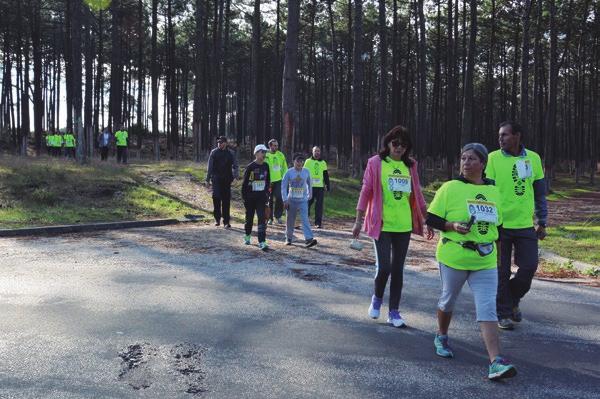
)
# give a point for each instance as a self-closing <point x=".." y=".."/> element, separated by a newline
<point x="245" y="182"/>
<point x="436" y="222"/>
<point x="326" y="179"/>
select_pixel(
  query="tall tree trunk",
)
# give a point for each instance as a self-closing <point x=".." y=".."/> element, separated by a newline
<point x="155" y="72"/>
<point x="141" y="73"/>
<point x="422" y="128"/>
<point x="467" y="112"/>
<point x="255" y="91"/>
<point x="89" y="80"/>
<point x="116" y="68"/>
<point x="290" y="67"/>
<point x="77" y="13"/>
<point x="38" y="104"/>
<point x="199" y="78"/>
<point x="357" y="88"/>
<point x="382" y="118"/>
<point x="523" y="114"/>
<point x="451" y="93"/>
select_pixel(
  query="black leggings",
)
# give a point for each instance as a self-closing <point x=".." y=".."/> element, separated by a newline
<point x="391" y="249"/>
<point x="256" y="205"/>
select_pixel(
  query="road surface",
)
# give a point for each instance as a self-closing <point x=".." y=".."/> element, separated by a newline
<point x="185" y="312"/>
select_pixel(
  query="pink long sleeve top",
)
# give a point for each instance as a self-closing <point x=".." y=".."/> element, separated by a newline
<point x="371" y="199"/>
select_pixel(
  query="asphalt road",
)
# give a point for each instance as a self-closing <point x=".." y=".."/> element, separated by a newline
<point x="190" y="312"/>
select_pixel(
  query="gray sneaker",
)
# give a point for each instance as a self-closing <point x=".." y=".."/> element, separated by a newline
<point x="506" y="324"/>
<point x="516" y="316"/>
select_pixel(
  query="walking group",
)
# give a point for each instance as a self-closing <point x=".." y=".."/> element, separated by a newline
<point x="269" y="187"/>
<point x="58" y="144"/>
<point x="484" y="215"/>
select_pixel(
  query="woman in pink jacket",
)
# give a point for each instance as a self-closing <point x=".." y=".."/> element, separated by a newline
<point x="393" y="207"/>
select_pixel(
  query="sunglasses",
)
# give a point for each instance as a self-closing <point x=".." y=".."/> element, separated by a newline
<point x="398" y="143"/>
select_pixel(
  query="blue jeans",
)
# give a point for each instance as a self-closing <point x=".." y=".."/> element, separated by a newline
<point x="295" y="207"/>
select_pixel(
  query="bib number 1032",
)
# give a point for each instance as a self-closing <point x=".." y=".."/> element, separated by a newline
<point x="483" y="211"/>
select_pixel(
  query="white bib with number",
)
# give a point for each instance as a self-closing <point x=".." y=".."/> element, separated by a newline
<point x="276" y="168"/>
<point x="316" y="180"/>
<point x="484" y="211"/>
<point x="297" y="192"/>
<point x="399" y="183"/>
<point x="258" y="185"/>
<point x="524" y="169"/>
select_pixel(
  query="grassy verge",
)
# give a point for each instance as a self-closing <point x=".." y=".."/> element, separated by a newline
<point x="575" y="241"/>
<point x="49" y="192"/>
<point x="565" y="270"/>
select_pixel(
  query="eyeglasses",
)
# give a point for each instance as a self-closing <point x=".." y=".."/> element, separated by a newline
<point x="398" y="143"/>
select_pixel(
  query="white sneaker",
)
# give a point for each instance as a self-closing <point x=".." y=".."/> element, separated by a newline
<point x="374" y="309"/>
<point x="395" y="319"/>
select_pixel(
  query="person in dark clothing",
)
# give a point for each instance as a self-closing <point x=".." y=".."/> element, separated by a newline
<point x="105" y="140"/>
<point x="255" y="193"/>
<point x="320" y="180"/>
<point x="222" y="170"/>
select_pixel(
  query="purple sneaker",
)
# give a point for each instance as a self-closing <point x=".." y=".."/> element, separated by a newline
<point x="375" y="307"/>
<point x="395" y="319"/>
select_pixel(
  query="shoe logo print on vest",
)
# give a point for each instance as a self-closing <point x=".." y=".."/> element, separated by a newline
<point x="398" y="194"/>
<point x="482" y="227"/>
<point x="519" y="183"/>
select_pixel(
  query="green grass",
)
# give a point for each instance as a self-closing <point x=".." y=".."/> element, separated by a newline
<point x="564" y="187"/>
<point x="50" y="192"/>
<point x="576" y="241"/>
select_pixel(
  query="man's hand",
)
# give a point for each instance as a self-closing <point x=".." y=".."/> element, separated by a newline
<point x="541" y="232"/>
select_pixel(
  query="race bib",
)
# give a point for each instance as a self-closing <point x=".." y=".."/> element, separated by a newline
<point x="297" y="192"/>
<point x="524" y="169"/>
<point x="399" y="184"/>
<point x="316" y="180"/>
<point x="276" y="168"/>
<point x="258" y="185"/>
<point x="483" y="211"/>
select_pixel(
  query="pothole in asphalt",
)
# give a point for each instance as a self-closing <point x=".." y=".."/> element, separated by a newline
<point x="168" y="368"/>
<point x="304" y="275"/>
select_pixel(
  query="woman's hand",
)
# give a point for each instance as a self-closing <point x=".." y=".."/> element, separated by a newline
<point x="430" y="233"/>
<point x="460" y="228"/>
<point x="356" y="229"/>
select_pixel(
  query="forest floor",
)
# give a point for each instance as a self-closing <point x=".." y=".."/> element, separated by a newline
<point x="49" y="192"/>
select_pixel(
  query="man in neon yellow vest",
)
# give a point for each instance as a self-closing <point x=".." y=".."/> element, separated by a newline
<point x="121" y="139"/>
<point x="277" y="168"/>
<point x="320" y="182"/>
<point x="70" y="143"/>
<point x="57" y="143"/>
<point x="49" y="139"/>
<point x="519" y="176"/>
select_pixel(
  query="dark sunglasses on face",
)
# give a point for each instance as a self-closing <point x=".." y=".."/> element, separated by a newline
<point x="398" y="143"/>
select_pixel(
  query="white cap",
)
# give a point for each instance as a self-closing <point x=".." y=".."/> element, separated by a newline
<point x="260" y="147"/>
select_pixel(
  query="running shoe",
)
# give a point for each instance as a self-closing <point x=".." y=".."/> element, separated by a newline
<point x="270" y="222"/>
<point x="288" y="242"/>
<point x="279" y="221"/>
<point x="501" y="368"/>
<point x="374" y="309"/>
<point x="217" y="224"/>
<point x="441" y="346"/>
<point x="506" y="324"/>
<point x="318" y="226"/>
<point x="227" y="226"/>
<point x="263" y="245"/>
<point x="395" y="319"/>
<point x="516" y="315"/>
<point x="311" y="243"/>
<point x="247" y="240"/>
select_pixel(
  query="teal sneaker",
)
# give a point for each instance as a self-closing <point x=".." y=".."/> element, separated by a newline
<point x="263" y="245"/>
<point x="247" y="240"/>
<point x="501" y="368"/>
<point x="441" y="346"/>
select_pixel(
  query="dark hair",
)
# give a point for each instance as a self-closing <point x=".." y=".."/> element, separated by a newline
<point x="397" y="132"/>
<point x="514" y="126"/>
<point x="298" y="156"/>
<point x="272" y="141"/>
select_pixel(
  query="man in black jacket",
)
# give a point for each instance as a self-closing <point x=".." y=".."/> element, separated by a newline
<point x="222" y="170"/>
